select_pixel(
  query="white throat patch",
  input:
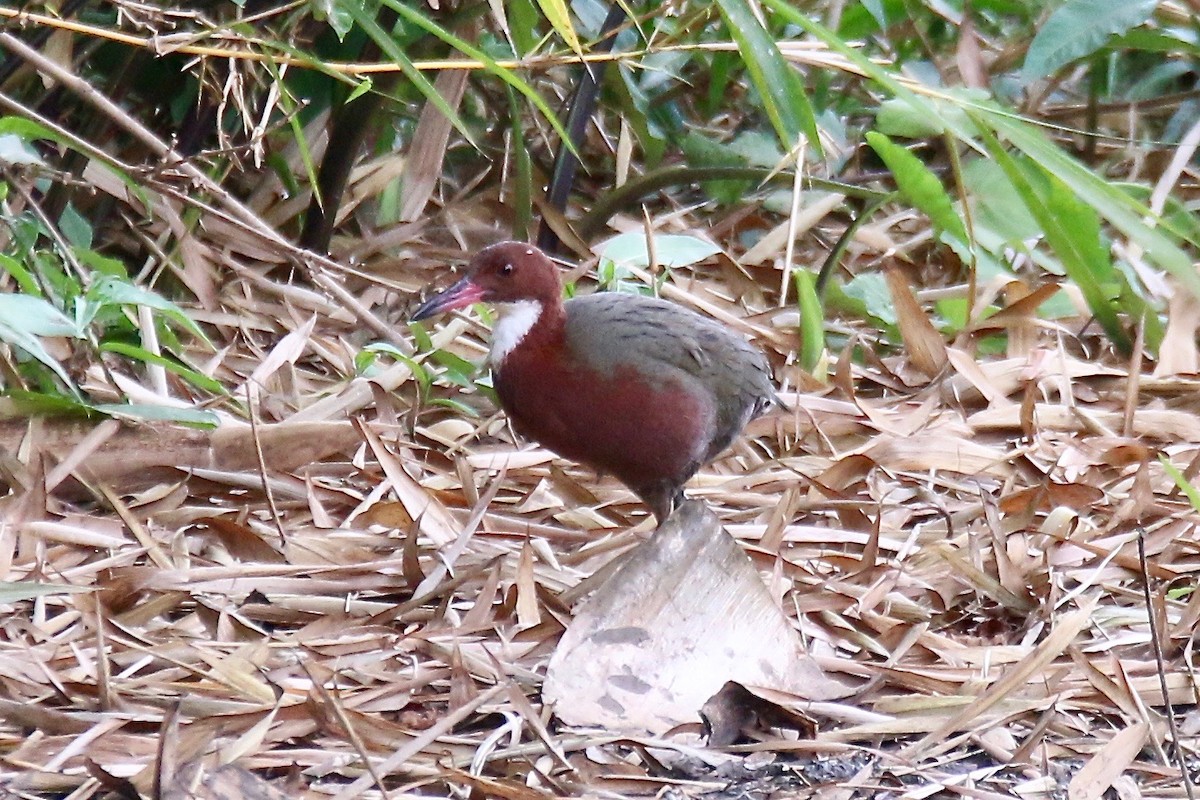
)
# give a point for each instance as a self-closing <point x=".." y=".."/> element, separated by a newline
<point x="516" y="320"/>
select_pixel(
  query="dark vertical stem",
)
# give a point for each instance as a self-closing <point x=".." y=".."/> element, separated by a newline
<point x="562" y="179"/>
<point x="348" y="128"/>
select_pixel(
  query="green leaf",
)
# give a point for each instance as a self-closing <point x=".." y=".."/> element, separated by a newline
<point x="522" y="24"/>
<point x="778" y="84"/>
<point x="193" y="377"/>
<point x="23" y="319"/>
<point x="419" y="372"/>
<point x="28" y="130"/>
<point x="702" y="151"/>
<point x="458" y="369"/>
<point x="40" y="404"/>
<point x="919" y="185"/>
<point x="188" y="416"/>
<point x="812" y="319"/>
<point x="899" y="117"/>
<point x="335" y="14"/>
<point x="24" y="278"/>
<point x="876" y="10"/>
<point x="102" y="264"/>
<point x="75" y="229"/>
<point x="1113" y="204"/>
<point x="522" y="173"/>
<point x="1168" y="40"/>
<point x="996" y="204"/>
<point x="456" y="405"/>
<point x="944" y="113"/>
<point x="288" y="104"/>
<point x="1072" y="230"/>
<point x="1185" y="486"/>
<point x="110" y="290"/>
<point x="871" y="291"/>
<point x="36" y="317"/>
<point x="393" y="51"/>
<point x="954" y="311"/>
<point x="466" y="48"/>
<point x="560" y="19"/>
<point x="1079" y="28"/>
<point x="365" y="84"/>
<point x="670" y="250"/>
<point x="645" y="117"/>
<point x="420" y="337"/>
<point x="17" y="591"/>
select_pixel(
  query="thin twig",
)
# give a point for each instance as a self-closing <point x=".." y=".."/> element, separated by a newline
<point x="1162" y="673"/>
<point x="262" y="464"/>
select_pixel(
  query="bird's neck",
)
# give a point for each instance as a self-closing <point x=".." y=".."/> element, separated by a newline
<point x="525" y="325"/>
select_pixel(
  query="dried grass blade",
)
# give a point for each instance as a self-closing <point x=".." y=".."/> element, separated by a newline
<point x="423" y="167"/>
<point x="1050" y="648"/>
<point x="925" y="345"/>
<point x="1098" y="774"/>
<point x="419" y="743"/>
<point x="434" y="519"/>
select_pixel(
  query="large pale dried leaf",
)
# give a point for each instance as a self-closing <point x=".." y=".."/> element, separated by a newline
<point x="683" y="614"/>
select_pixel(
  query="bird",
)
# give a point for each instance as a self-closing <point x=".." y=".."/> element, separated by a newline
<point x="636" y="387"/>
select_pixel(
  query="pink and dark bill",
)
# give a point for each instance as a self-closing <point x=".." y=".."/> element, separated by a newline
<point x="463" y="293"/>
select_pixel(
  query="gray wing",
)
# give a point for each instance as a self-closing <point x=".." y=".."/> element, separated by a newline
<point x="611" y="328"/>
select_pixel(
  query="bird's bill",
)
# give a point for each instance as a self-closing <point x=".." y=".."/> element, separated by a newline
<point x="463" y="293"/>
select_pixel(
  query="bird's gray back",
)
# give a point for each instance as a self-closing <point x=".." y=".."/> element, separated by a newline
<point x="664" y="339"/>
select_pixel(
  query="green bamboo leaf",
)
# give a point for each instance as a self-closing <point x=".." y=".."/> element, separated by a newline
<point x="1116" y="206"/>
<point x="919" y="185"/>
<point x="24" y="278"/>
<point x="17" y="591"/>
<point x="867" y="296"/>
<point x="1185" y="486"/>
<point x="293" y="118"/>
<point x="36" y="317"/>
<point x="24" y="319"/>
<point x="812" y="319"/>
<point x="944" y="114"/>
<point x="389" y="46"/>
<point x="1079" y="28"/>
<point x="523" y="21"/>
<point x="187" y="416"/>
<point x="522" y="173"/>
<point x="193" y="377"/>
<point x="778" y="84"/>
<point x="42" y="404"/>
<point x="28" y="130"/>
<point x="110" y="290"/>
<point x="560" y="19"/>
<point x="365" y="85"/>
<point x="1072" y="230"/>
<point x="466" y="48"/>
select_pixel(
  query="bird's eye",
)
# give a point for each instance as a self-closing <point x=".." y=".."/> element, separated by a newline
<point x="506" y="269"/>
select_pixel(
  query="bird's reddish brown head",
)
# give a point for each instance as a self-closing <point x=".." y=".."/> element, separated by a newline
<point x="508" y="272"/>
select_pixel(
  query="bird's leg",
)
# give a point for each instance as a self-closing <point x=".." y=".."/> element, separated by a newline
<point x="662" y="499"/>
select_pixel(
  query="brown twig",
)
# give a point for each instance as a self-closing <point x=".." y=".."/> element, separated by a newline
<point x="1162" y="673"/>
